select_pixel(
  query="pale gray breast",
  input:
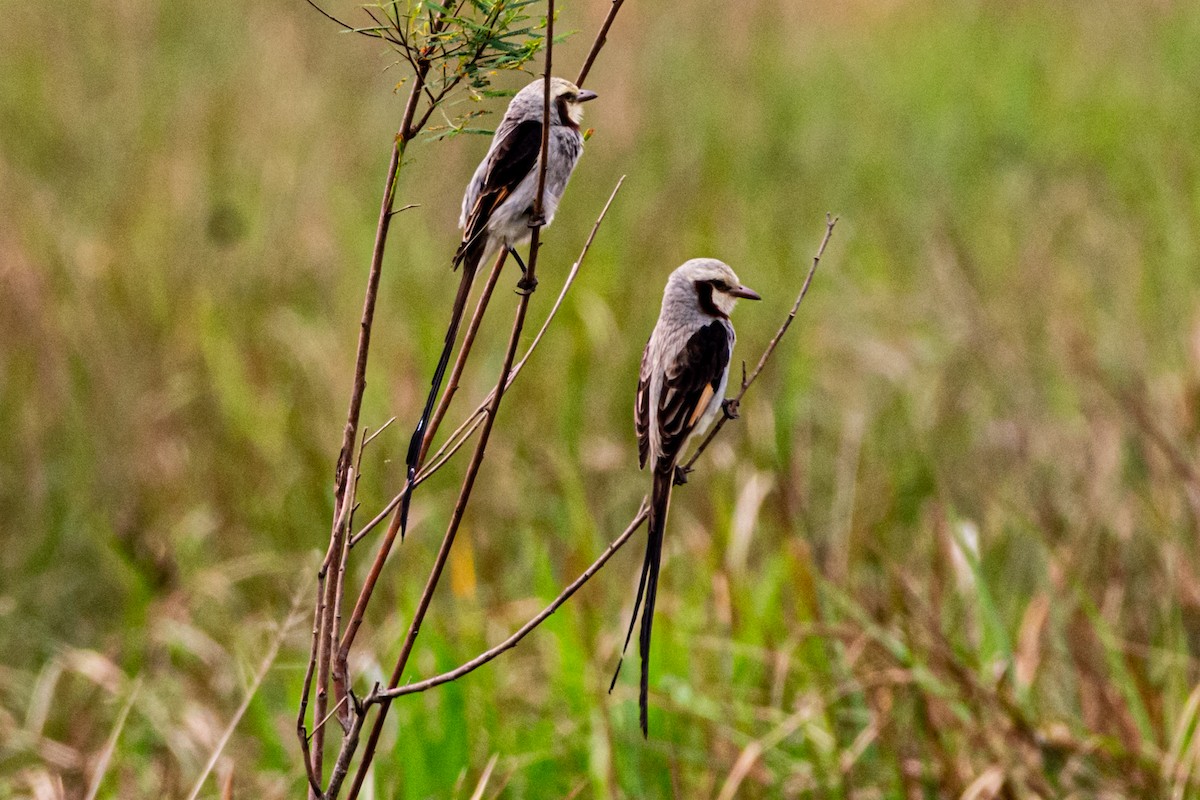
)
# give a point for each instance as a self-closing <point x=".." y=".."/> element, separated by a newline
<point x="510" y="221"/>
<point x="566" y="145"/>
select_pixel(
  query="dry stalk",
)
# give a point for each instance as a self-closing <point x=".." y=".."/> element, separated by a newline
<point x="473" y="467"/>
<point x="330" y="649"/>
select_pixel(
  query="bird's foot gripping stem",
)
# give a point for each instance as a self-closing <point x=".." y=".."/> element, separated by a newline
<point x="527" y="284"/>
<point x="729" y="407"/>
<point x="681" y="474"/>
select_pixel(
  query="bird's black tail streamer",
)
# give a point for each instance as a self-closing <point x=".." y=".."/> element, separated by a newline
<point x="660" y="501"/>
<point x="469" y="255"/>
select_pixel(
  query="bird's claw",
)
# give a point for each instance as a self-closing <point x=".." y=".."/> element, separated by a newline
<point x="354" y="705"/>
<point x="681" y="475"/>
<point x="526" y="285"/>
<point x="729" y="407"/>
<point x="537" y="221"/>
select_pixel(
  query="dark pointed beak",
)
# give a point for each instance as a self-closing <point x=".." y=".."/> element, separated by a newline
<point x="586" y="95"/>
<point x="745" y="292"/>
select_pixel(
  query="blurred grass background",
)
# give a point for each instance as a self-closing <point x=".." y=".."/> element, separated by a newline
<point x="950" y="549"/>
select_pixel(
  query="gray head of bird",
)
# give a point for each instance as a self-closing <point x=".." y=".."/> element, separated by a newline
<point x="566" y="102"/>
<point x="711" y="284"/>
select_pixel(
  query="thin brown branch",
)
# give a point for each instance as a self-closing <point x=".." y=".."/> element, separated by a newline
<point x="314" y="784"/>
<point x="476" y="462"/>
<point x="341" y="767"/>
<point x="350" y="433"/>
<point x="830" y="221"/>
<point x="598" y="44"/>
<point x="375" y="434"/>
<point x="331" y="713"/>
<point x="525" y="629"/>
<point x="539" y="197"/>
<point x="345" y="28"/>
<point x="314" y="651"/>
<point x="328" y="632"/>
<point x="448" y="540"/>
<point x="338" y="667"/>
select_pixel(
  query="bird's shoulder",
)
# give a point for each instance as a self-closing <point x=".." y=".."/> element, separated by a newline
<point x="704" y="354"/>
<point x="513" y="154"/>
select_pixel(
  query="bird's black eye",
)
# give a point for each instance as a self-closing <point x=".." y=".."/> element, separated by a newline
<point x="570" y="97"/>
<point x="720" y="285"/>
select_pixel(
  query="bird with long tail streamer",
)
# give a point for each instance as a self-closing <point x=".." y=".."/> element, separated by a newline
<point x="497" y="213"/>
<point x="681" y="389"/>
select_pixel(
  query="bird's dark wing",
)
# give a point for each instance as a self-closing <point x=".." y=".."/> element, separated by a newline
<point x="641" y="409"/>
<point x="513" y="158"/>
<point x="690" y="384"/>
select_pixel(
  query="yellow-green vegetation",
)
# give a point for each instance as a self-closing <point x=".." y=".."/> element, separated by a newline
<point x="950" y="547"/>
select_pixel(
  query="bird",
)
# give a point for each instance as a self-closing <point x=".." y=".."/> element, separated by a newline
<point x="497" y="209"/>
<point x="680" y="391"/>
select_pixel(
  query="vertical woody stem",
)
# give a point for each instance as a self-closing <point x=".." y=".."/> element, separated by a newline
<point x="464" y="495"/>
<point x="350" y="433"/>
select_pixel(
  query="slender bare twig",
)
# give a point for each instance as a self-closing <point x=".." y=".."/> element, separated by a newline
<point x="464" y="495"/>
<point x="448" y="540"/>
<point x="732" y="403"/>
<point x="538" y="218"/>
<point x="368" y="587"/>
<point x="463" y="432"/>
<point x="301" y="731"/>
<point x="331" y="714"/>
<point x="340" y="672"/>
<point x="314" y="652"/>
<point x="345" y="28"/>
<point x="403" y="136"/>
<point x="328" y="604"/>
<point x="350" y="433"/>
<point x="599" y="42"/>
<point x="523" y="631"/>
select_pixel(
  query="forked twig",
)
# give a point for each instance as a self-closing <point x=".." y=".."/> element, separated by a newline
<point x="733" y="402"/>
<point x="384" y="696"/>
<point x="524" y="630"/>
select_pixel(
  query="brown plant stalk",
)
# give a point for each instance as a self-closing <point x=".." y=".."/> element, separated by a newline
<point x="368" y="588"/>
<point x="460" y="506"/>
<point x="328" y="658"/>
<point x="322" y="652"/>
